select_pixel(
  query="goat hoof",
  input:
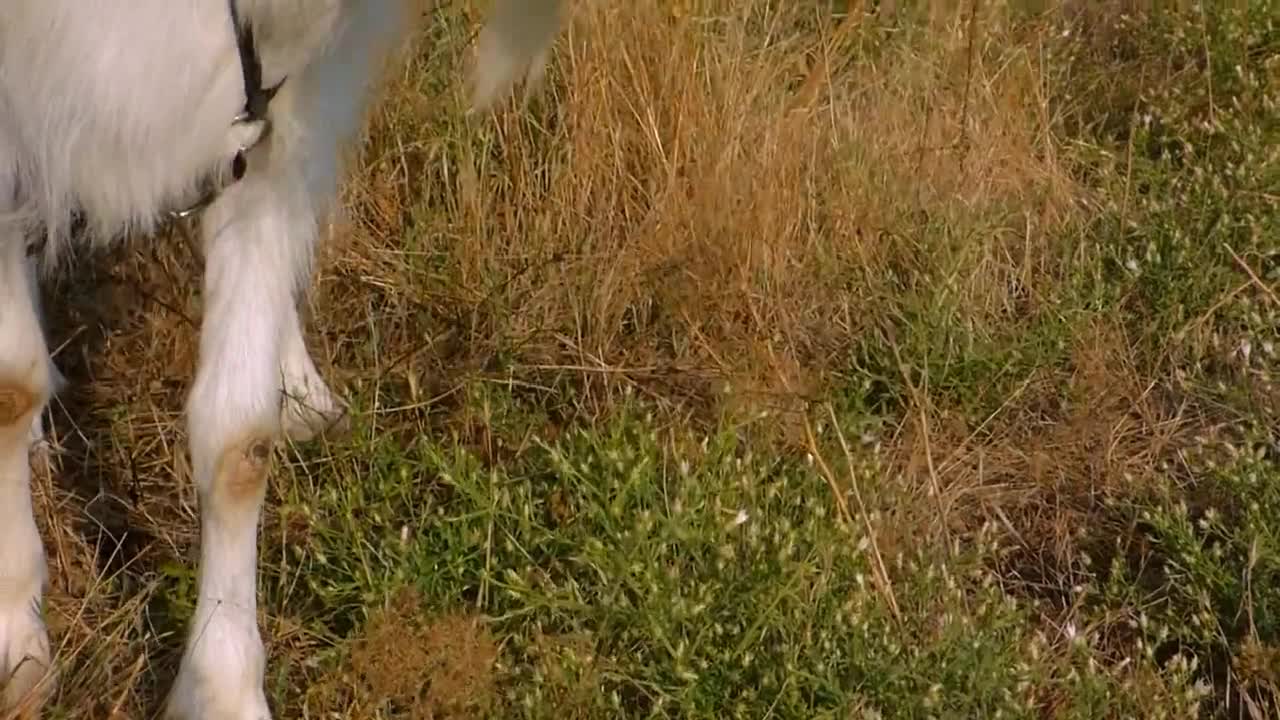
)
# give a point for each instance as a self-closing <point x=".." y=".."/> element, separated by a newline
<point x="25" y="669"/>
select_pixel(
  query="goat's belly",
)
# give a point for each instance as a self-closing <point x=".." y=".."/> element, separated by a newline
<point x="119" y="184"/>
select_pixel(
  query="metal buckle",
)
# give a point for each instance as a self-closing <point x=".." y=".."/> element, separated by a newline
<point x="256" y="106"/>
<point x="211" y="191"/>
<point x="239" y="166"/>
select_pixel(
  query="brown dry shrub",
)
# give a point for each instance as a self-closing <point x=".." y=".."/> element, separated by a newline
<point x="436" y="669"/>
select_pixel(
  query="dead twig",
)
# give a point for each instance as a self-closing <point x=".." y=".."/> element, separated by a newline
<point x="1265" y="288"/>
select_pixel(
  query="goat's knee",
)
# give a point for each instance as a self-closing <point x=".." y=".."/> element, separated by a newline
<point x="24" y="643"/>
<point x="15" y="404"/>
<point x="233" y="420"/>
<point x="239" y="478"/>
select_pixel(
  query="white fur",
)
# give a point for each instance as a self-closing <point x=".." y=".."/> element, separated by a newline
<point x="118" y="110"/>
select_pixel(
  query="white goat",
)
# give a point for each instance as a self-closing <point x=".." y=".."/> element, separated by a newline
<point x="122" y="111"/>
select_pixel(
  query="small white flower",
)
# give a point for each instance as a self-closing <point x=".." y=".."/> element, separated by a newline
<point x="740" y="518"/>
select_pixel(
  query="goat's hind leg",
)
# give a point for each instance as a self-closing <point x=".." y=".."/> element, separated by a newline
<point x="310" y="408"/>
<point x="24" y="389"/>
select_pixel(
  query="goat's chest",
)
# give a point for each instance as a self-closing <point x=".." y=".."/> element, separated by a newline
<point x="121" y="110"/>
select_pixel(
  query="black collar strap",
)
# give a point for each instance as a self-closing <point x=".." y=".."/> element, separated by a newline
<point x="256" y="97"/>
<point x="256" y="100"/>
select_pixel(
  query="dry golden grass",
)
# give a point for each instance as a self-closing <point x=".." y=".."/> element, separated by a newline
<point x="715" y="195"/>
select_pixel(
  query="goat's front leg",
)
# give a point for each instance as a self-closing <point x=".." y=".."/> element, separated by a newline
<point x="25" y="381"/>
<point x="257" y="239"/>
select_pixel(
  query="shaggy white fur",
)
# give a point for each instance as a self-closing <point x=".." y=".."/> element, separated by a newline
<point x="117" y="111"/>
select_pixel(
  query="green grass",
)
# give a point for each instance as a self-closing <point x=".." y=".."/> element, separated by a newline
<point x="700" y="583"/>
